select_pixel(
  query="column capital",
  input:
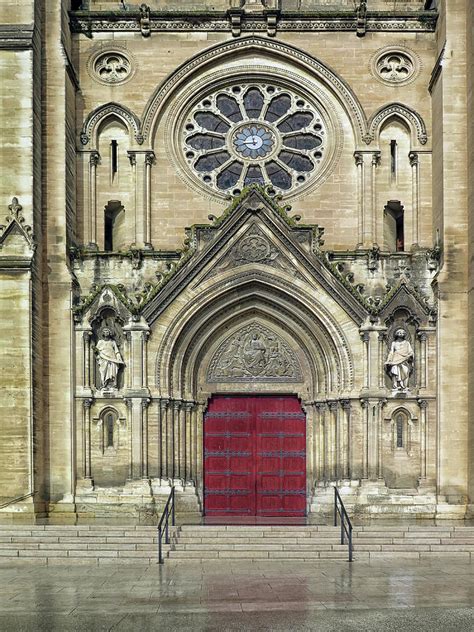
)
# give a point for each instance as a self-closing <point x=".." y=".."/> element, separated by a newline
<point x="87" y="403"/>
<point x="345" y="404"/>
<point x="94" y="158"/>
<point x="423" y="404"/>
<point x="413" y="158"/>
<point x="150" y="158"/>
<point x="376" y="158"/>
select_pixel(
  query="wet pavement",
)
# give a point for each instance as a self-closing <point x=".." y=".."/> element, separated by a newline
<point x="383" y="596"/>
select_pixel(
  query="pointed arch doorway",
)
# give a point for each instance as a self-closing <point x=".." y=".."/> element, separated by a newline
<point x="254" y="456"/>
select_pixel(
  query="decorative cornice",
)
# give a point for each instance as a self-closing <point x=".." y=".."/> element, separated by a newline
<point x="16" y="36"/>
<point x="88" y="22"/>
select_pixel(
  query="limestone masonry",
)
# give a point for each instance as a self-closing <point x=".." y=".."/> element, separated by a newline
<point x="209" y="204"/>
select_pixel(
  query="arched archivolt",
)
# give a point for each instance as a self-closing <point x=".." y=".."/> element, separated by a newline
<point x="398" y="111"/>
<point x="199" y="326"/>
<point x="97" y="118"/>
<point x="220" y="53"/>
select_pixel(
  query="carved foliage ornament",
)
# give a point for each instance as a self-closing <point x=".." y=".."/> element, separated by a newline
<point x="257" y="354"/>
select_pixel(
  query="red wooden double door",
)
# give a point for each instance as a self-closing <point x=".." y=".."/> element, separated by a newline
<point x="254" y="456"/>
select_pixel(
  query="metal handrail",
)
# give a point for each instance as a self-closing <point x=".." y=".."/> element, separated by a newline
<point x="346" y="524"/>
<point x="17" y="499"/>
<point x="165" y="517"/>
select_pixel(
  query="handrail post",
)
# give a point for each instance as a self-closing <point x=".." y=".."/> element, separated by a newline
<point x="165" y="516"/>
<point x="335" y="506"/>
<point x="350" y="543"/>
<point x="172" y="508"/>
<point x="160" y="552"/>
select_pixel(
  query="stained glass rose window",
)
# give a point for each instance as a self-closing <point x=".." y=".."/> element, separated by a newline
<point x="254" y="134"/>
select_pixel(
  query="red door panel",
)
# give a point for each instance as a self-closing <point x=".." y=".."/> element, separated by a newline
<point x="255" y="456"/>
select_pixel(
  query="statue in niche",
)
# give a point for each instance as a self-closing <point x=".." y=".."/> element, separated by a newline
<point x="399" y="363"/>
<point x="109" y="359"/>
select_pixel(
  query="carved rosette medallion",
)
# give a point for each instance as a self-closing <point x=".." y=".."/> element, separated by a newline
<point x="395" y="65"/>
<point x="111" y="67"/>
<point x="257" y="354"/>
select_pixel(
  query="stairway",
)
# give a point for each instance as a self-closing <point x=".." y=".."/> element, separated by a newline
<point x="78" y="544"/>
<point x="101" y="544"/>
<point x="308" y="543"/>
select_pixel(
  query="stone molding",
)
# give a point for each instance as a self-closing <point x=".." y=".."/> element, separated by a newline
<point x="16" y="36"/>
<point x="292" y="54"/>
<point x="92" y="121"/>
<point x="237" y="21"/>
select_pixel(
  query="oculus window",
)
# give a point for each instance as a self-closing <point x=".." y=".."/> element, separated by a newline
<point x="263" y="134"/>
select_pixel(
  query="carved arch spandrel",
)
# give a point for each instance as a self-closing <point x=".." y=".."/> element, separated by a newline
<point x="217" y="54"/>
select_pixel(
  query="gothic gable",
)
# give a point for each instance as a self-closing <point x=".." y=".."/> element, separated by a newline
<point x="16" y="242"/>
<point x="255" y="231"/>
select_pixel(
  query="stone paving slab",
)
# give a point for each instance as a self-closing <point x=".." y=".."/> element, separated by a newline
<point x="226" y="595"/>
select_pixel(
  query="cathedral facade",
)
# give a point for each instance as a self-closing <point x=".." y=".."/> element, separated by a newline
<point x="237" y="258"/>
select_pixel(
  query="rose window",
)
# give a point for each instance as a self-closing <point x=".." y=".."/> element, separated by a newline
<point x="243" y="135"/>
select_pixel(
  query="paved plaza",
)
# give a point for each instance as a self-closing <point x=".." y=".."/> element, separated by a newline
<point x="394" y="595"/>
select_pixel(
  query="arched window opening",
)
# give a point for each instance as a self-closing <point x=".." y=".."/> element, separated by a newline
<point x="393" y="160"/>
<point x="113" y="221"/>
<point x="109" y="430"/>
<point x="400" y="431"/>
<point x="113" y="158"/>
<point x="394" y="231"/>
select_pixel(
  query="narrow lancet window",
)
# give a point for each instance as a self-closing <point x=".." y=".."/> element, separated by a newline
<point x="113" y="158"/>
<point x="399" y="423"/>
<point x="393" y="160"/>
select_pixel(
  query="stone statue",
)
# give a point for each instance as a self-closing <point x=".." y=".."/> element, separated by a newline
<point x="109" y="359"/>
<point x="399" y="363"/>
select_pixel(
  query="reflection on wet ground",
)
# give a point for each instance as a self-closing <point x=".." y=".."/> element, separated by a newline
<point x="401" y="595"/>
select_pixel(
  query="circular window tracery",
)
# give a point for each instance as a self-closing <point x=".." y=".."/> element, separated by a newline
<point x="255" y="134"/>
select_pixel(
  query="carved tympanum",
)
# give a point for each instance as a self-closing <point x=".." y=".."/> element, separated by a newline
<point x="254" y="353"/>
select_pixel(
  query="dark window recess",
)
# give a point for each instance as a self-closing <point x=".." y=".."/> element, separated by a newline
<point x="114" y="157"/>
<point x="211" y="122"/>
<point x="230" y="176"/>
<point x="254" y="176"/>
<point x="253" y="102"/>
<point x="109" y="430"/>
<point x="212" y="161"/>
<point x="229" y="108"/>
<point x="399" y="431"/>
<point x="393" y="158"/>
<point x="112" y="210"/>
<point x="296" y="122"/>
<point x="302" y="141"/>
<point x="278" y="107"/>
<point x="394" y="226"/>
<point x="76" y="5"/>
<point x="278" y="176"/>
<point x="204" y="141"/>
<point x="295" y="161"/>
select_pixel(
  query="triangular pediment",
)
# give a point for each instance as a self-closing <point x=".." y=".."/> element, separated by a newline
<point x="254" y="231"/>
<point x="404" y="297"/>
<point x="16" y="243"/>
